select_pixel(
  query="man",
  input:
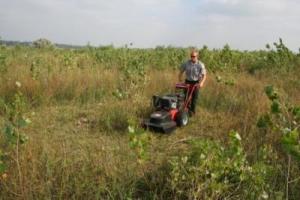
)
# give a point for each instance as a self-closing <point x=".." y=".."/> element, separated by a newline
<point x="195" y="73"/>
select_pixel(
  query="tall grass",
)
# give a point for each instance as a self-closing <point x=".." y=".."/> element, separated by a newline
<point x="81" y="103"/>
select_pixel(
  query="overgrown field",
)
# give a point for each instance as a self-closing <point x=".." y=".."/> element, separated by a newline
<point x="70" y="125"/>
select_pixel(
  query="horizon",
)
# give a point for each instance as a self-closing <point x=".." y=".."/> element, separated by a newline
<point x="132" y="47"/>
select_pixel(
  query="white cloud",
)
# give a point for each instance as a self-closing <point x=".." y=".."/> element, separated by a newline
<point x="250" y="24"/>
<point x="241" y="23"/>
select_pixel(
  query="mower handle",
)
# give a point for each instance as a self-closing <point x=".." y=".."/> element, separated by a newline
<point x="189" y="88"/>
<point x="184" y="85"/>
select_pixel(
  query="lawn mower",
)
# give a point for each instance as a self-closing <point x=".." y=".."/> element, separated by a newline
<point x="171" y="110"/>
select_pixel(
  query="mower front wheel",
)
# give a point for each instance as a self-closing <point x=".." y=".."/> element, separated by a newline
<point x="182" y="118"/>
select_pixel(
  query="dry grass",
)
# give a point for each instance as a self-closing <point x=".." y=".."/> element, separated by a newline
<point x="78" y="142"/>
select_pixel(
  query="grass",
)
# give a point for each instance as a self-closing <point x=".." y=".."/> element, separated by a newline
<point x="78" y="144"/>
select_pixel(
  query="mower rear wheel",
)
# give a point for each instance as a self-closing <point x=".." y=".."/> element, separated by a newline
<point x="182" y="118"/>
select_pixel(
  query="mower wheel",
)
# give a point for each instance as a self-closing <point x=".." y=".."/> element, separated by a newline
<point x="182" y="118"/>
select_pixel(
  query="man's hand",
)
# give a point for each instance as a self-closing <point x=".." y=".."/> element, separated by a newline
<point x="180" y="76"/>
<point x="201" y="85"/>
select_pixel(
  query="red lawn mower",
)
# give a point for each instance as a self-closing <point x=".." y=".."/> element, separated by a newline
<point x="171" y="110"/>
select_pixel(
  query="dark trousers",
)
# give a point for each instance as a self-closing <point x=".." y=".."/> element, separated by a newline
<point x="195" y="95"/>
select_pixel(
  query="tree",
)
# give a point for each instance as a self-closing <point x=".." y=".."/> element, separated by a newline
<point x="42" y="43"/>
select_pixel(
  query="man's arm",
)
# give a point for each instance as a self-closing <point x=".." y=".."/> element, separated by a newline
<point x="181" y="71"/>
<point x="201" y="84"/>
<point x="180" y="75"/>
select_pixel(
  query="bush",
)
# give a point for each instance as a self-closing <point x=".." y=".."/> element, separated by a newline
<point x="210" y="171"/>
<point x="42" y="43"/>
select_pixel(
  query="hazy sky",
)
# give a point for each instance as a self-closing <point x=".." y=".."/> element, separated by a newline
<point x="243" y="24"/>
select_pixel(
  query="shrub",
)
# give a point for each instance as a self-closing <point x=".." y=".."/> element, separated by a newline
<point x="210" y="171"/>
<point x="42" y="43"/>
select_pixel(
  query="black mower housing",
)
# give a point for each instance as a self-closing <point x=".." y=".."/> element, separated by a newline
<point x="168" y="109"/>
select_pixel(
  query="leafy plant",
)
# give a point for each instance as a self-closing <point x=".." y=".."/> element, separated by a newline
<point x="283" y="118"/>
<point x="139" y="142"/>
<point x="211" y="171"/>
<point x="291" y="142"/>
<point x="3" y="65"/>
<point x="2" y="164"/>
<point x="15" y="122"/>
<point x="35" y="69"/>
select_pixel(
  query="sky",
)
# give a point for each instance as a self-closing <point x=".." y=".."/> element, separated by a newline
<point x="243" y="24"/>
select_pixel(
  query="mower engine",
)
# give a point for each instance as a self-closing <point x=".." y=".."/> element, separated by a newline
<point x="166" y="102"/>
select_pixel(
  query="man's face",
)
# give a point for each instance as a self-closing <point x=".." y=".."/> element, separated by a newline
<point x="194" y="57"/>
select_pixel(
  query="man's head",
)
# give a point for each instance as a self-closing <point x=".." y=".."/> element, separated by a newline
<point x="194" y="56"/>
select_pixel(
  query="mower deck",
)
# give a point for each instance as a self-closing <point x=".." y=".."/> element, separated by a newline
<point x="160" y="121"/>
<point x="165" y="127"/>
